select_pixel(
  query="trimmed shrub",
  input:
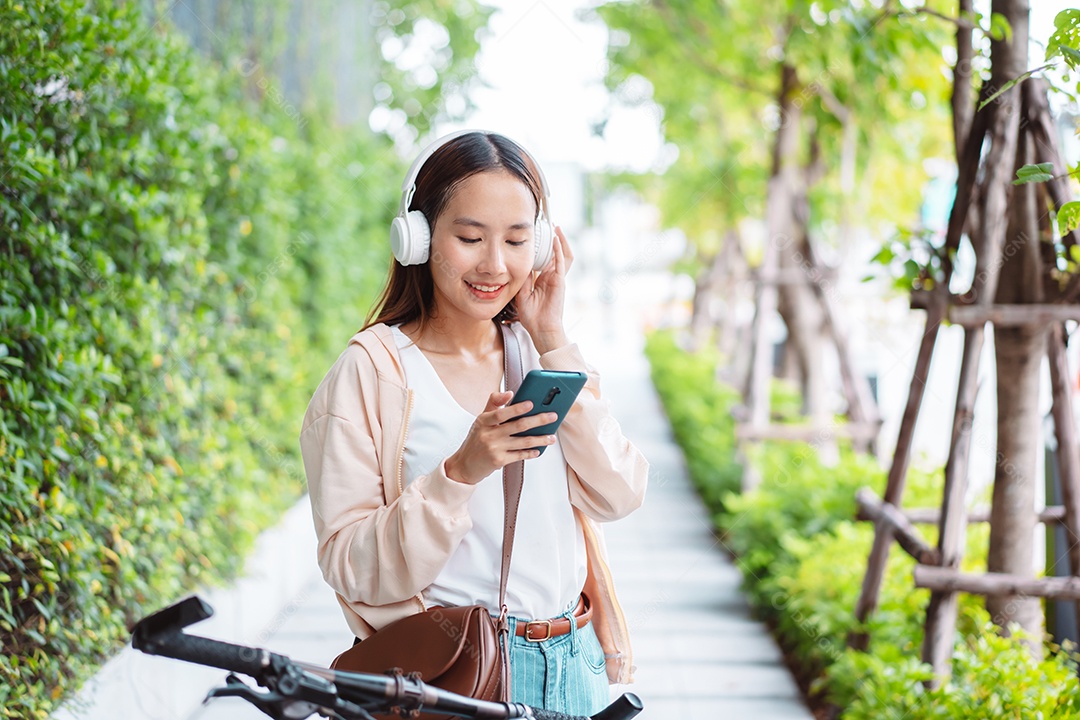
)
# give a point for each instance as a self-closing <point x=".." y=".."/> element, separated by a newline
<point x="993" y="677"/>
<point x="803" y="560"/>
<point x="178" y="266"/>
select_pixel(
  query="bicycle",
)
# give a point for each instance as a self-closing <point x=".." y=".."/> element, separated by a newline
<point x="297" y="690"/>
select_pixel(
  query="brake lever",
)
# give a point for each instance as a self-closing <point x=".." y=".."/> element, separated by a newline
<point x="274" y="704"/>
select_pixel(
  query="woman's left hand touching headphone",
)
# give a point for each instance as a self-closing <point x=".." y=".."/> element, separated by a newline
<point x="540" y="300"/>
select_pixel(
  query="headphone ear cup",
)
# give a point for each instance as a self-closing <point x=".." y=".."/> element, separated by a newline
<point x="410" y="238"/>
<point x="545" y="243"/>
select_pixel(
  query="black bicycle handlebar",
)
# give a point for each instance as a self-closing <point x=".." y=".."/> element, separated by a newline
<point x="160" y="634"/>
<point x="309" y="689"/>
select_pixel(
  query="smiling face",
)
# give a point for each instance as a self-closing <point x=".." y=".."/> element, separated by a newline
<point x="482" y="246"/>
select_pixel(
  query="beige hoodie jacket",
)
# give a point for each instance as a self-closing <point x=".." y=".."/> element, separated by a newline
<point x="381" y="543"/>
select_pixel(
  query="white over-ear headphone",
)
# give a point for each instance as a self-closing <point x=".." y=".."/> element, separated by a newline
<point x="410" y="233"/>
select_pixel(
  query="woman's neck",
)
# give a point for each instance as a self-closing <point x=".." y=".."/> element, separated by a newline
<point x="472" y="339"/>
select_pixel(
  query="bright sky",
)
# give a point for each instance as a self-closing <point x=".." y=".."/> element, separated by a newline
<point x="544" y="68"/>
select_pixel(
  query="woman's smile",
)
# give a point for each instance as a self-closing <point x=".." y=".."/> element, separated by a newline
<point x="484" y="291"/>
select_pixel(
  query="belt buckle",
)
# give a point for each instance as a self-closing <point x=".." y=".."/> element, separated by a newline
<point x="529" y="625"/>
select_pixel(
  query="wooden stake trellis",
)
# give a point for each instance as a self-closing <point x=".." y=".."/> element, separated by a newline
<point x="945" y="579"/>
<point x="790" y="261"/>
<point x="862" y="411"/>
<point x="938" y="567"/>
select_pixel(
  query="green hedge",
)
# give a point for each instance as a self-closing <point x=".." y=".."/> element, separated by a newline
<point x="177" y="269"/>
<point x="803" y="559"/>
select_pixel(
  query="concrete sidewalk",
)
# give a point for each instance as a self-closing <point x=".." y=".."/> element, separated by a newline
<point x="699" y="655"/>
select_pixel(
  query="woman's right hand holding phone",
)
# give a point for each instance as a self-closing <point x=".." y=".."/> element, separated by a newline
<point x="490" y="444"/>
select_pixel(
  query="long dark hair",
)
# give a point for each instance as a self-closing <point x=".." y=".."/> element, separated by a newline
<point x="409" y="292"/>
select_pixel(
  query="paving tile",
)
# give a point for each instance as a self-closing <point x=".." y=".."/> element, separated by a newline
<point x="748" y="644"/>
<point x="715" y="680"/>
<point x="723" y="709"/>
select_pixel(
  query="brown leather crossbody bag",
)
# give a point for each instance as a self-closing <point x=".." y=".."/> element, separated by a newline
<point x="461" y="649"/>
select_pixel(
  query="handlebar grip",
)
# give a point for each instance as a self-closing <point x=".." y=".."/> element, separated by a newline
<point x="204" y="651"/>
<point x="160" y="634"/>
<point x="626" y="706"/>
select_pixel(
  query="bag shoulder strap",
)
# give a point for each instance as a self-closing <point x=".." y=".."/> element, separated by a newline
<point x="514" y="473"/>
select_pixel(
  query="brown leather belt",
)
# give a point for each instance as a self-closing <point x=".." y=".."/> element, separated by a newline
<point x="540" y="630"/>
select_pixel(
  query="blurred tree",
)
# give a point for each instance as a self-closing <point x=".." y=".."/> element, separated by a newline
<point x="812" y="115"/>
<point x="1019" y="259"/>
<point x="344" y="58"/>
<point x="1014" y="235"/>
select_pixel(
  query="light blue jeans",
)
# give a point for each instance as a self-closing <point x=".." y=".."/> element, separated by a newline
<point x="564" y="674"/>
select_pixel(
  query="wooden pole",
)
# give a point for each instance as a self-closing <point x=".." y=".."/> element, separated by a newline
<point x="961" y="312"/>
<point x="1012" y="315"/>
<point x="862" y="410"/>
<point x="941" y="612"/>
<point x="813" y="434"/>
<point x="779" y="214"/>
<point x="1018" y="358"/>
<point x="796" y="276"/>
<point x="1004" y="125"/>
<point x="888" y="516"/>
<point x="948" y="580"/>
<point x="761" y="364"/>
<point x="1051" y="515"/>
<point x="894" y="488"/>
<point x="965" y="182"/>
<point x="962" y="109"/>
<point x="1068" y="453"/>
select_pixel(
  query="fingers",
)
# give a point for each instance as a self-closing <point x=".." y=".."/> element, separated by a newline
<point x="526" y="446"/>
<point x="534" y="449"/>
<point x="514" y="416"/>
<point x="496" y="412"/>
<point x="564" y="256"/>
<point x="519" y="424"/>
<point x="513" y="420"/>
<point x="497" y="399"/>
<point x="489" y="447"/>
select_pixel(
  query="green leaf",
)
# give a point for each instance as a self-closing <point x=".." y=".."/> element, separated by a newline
<point x="884" y="256"/>
<point x="1066" y="38"/>
<point x="1034" y="173"/>
<point x="1068" y="217"/>
<point x="1000" y="29"/>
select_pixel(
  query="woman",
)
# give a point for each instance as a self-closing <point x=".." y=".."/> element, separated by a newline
<point x="404" y="445"/>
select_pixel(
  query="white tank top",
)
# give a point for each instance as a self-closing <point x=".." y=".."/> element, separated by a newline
<point x="549" y="566"/>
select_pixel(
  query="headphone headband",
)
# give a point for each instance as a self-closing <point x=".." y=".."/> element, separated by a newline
<point x="408" y="187"/>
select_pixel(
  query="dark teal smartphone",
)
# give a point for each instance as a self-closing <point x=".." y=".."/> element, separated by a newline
<point x="550" y="391"/>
